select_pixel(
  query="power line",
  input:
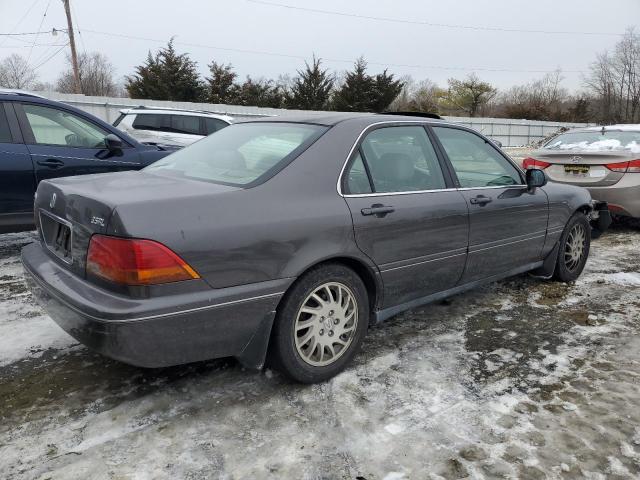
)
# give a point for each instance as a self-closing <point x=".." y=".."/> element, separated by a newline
<point x="22" y="18"/>
<point x="23" y="33"/>
<point x="51" y="56"/>
<point x="336" y="60"/>
<point x="425" y="23"/>
<point x="39" y="27"/>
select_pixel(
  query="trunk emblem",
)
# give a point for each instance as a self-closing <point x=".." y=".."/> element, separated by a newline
<point x="52" y="203"/>
<point x="576" y="159"/>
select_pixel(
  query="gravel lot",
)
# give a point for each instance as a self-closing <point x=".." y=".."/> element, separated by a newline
<point x="520" y="379"/>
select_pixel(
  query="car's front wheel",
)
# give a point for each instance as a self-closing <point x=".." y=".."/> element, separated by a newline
<point x="575" y="242"/>
<point x="320" y="324"/>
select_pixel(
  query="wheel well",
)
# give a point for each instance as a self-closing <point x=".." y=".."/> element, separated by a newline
<point x="586" y="209"/>
<point x="362" y="270"/>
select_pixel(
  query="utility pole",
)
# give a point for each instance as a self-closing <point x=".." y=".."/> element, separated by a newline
<point x="72" y="44"/>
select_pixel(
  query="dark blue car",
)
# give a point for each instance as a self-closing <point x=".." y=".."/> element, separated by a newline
<point x="41" y="139"/>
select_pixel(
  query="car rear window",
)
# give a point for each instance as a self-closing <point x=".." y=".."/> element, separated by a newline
<point x="596" y="141"/>
<point x="243" y="154"/>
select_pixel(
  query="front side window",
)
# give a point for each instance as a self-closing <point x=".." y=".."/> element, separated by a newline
<point x="399" y="159"/>
<point x="240" y="154"/>
<point x="476" y="162"/>
<point x="51" y="126"/>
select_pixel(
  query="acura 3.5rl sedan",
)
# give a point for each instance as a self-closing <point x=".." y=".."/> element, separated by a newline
<point x="605" y="160"/>
<point x="283" y="241"/>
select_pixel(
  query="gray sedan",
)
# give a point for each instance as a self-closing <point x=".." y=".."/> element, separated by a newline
<point x="284" y="240"/>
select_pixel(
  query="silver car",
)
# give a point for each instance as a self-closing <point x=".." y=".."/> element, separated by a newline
<point x="605" y="160"/>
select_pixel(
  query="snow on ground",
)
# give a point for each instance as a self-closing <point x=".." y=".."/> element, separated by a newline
<point x="520" y="379"/>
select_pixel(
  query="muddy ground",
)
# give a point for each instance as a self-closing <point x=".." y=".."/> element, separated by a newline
<point x="520" y="379"/>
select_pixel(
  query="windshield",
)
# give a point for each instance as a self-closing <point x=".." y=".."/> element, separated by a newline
<point x="597" y="141"/>
<point x="241" y="154"/>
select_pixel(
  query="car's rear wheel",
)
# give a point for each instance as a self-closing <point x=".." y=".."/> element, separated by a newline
<point x="575" y="242"/>
<point x="320" y="324"/>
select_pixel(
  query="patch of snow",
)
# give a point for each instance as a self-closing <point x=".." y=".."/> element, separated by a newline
<point x="625" y="279"/>
<point x="394" y="428"/>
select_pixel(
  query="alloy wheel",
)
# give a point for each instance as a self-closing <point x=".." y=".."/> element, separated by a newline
<point x="574" y="247"/>
<point x="326" y="324"/>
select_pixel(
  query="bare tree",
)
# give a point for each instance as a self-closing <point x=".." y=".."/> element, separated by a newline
<point x="542" y="99"/>
<point x="614" y="81"/>
<point x="423" y="96"/>
<point x="96" y="76"/>
<point x="469" y="95"/>
<point x="15" y="72"/>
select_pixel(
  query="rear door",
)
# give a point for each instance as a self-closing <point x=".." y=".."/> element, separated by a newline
<point x="507" y="222"/>
<point x="17" y="183"/>
<point x="407" y="217"/>
<point x="62" y="143"/>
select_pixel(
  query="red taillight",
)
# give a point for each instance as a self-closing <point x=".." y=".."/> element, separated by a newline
<point x="625" y="167"/>
<point x="135" y="262"/>
<point x="533" y="163"/>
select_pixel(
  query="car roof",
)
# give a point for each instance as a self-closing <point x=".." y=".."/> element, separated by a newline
<point x="331" y="118"/>
<point x="623" y="127"/>
<point x="171" y="111"/>
<point x="18" y="92"/>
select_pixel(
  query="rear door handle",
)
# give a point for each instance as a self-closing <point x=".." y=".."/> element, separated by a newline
<point x="378" y="210"/>
<point x="480" y="200"/>
<point x="51" y="163"/>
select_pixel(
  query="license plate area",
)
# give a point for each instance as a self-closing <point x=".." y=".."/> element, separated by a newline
<point x="576" y="169"/>
<point x="57" y="235"/>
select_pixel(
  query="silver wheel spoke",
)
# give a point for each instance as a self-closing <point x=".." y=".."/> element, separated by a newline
<point x="330" y="316"/>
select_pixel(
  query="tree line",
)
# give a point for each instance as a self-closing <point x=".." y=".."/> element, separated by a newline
<point x="610" y="93"/>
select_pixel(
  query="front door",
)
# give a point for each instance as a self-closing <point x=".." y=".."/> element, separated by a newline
<point x="406" y="216"/>
<point x="507" y="221"/>
<point x="63" y="143"/>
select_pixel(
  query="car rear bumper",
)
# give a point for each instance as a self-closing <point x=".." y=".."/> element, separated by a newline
<point x="156" y="332"/>
<point x="623" y="198"/>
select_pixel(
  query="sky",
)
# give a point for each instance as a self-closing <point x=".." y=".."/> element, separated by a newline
<point x="506" y="42"/>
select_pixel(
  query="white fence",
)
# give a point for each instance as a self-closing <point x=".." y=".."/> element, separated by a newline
<point x="511" y="133"/>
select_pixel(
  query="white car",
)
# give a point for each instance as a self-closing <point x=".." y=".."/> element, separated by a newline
<point x="168" y="126"/>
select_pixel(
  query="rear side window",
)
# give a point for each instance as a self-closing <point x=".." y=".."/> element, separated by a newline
<point x="241" y="154"/>
<point x="214" y="124"/>
<point x="5" y="133"/>
<point x="399" y="159"/>
<point x="476" y="162"/>
<point x="185" y="124"/>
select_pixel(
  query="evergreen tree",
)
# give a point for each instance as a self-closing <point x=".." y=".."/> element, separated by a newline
<point x="385" y="91"/>
<point x="355" y="93"/>
<point x="260" y="93"/>
<point x="166" y="76"/>
<point x="221" y="85"/>
<point x="311" y="90"/>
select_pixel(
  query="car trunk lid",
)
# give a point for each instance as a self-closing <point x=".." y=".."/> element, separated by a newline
<point x="69" y="210"/>
<point x="582" y="167"/>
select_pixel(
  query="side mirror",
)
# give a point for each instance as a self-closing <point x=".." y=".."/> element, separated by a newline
<point x="535" y="178"/>
<point x="112" y="142"/>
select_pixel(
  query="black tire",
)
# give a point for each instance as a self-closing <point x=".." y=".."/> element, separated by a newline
<point x="283" y="352"/>
<point x="569" y="269"/>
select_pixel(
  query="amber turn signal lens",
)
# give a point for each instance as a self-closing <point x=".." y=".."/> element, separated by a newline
<point x="131" y="261"/>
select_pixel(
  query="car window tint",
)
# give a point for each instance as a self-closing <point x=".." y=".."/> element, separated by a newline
<point x="5" y="133"/>
<point x="357" y="179"/>
<point x="185" y="124"/>
<point x="52" y="126"/>
<point x="402" y="159"/>
<point x="151" y="121"/>
<point x="240" y="154"/>
<point x="214" y="124"/>
<point x="476" y="162"/>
